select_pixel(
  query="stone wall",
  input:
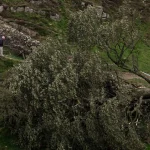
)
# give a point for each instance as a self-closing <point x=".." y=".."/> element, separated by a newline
<point x="41" y="7"/>
<point x="46" y="8"/>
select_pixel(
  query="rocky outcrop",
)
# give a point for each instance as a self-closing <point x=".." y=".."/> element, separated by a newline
<point x="48" y="9"/>
<point x="17" y="41"/>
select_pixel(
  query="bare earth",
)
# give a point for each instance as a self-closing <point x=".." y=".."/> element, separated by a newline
<point x="128" y="76"/>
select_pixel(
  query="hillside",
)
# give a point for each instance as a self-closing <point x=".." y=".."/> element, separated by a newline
<point x="38" y="19"/>
<point x="26" y="23"/>
<point x="65" y="72"/>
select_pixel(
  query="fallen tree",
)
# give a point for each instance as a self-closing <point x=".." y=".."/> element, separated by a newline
<point x="63" y="98"/>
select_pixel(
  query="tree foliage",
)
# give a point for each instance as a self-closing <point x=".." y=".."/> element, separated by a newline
<point x="63" y="98"/>
<point x="118" y="36"/>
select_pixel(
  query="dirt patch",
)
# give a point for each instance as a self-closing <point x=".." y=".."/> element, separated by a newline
<point x="128" y="76"/>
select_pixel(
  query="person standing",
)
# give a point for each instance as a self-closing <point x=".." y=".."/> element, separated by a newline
<point x="2" y="38"/>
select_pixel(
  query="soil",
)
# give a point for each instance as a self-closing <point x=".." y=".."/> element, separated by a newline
<point x="128" y="76"/>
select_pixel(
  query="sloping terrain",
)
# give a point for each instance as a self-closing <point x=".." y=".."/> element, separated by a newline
<point x="26" y="23"/>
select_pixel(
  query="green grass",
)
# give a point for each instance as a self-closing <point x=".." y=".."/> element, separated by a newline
<point x="12" y="2"/>
<point x="144" y="57"/>
<point x="33" y="21"/>
<point x="42" y="25"/>
<point x="143" y="53"/>
<point x="10" y="54"/>
<point x="148" y="147"/>
<point x="6" y="64"/>
<point x="142" y="50"/>
<point x="8" y="61"/>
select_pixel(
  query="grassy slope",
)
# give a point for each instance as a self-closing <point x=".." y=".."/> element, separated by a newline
<point x="144" y="58"/>
<point x="144" y="49"/>
<point x="9" y="60"/>
<point x="12" y="2"/>
<point x="45" y="27"/>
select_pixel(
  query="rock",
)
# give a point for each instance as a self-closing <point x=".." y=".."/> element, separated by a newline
<point x="20" y="9"/>
<point x="1" y="9"/>
<point x="100" y="10"/>
<point x="55" y="17"/>
<point x="105" y="15"/>
<point x="85" y="4"/>
<point x="36" y="2"/>
<point x="12" y="9"/>
<point x="28" y="9"/>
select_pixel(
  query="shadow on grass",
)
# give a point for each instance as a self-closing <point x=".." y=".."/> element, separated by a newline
<point x="7" y="142"/>
<point x="148" y="147"/>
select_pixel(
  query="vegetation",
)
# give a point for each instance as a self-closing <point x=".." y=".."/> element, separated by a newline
<point x="9" y="60"/>
<point x="66" y="94"/>
<point x="5" y="64"/>
<point x="12" y="2"/>
<point x="7" y="142"/>
<point x="43" y="25"/>
<point x="118" y="38"/>
<point x="38" y="23"/>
